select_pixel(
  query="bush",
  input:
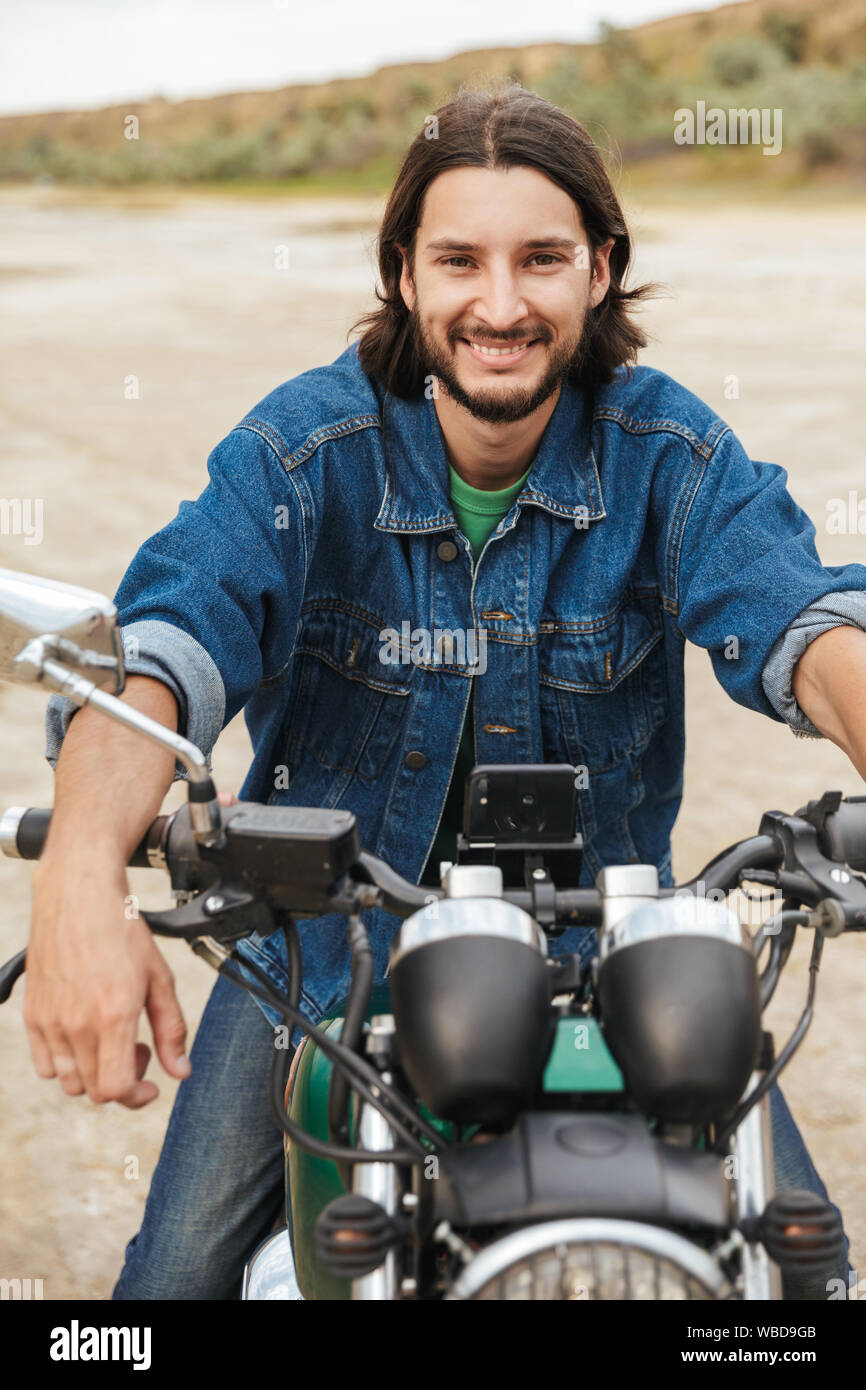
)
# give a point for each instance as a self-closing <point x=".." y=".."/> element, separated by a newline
<point x="788" y="32"/>
<point x="417" y="92"/>
<point x="738" y="61"/>
<point x="819" y="147"/>
<point x="563" y="83"/>
<point x="619" y="48"/>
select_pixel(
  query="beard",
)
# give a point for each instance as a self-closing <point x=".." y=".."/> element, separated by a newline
<point x="498" y="407"/>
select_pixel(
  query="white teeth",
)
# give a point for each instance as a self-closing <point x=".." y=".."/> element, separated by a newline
<point x="498" y="352"/>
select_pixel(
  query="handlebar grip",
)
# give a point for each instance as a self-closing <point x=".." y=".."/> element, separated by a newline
<point x="843" y="836"/>
<point x="10" y="972"/>
<point x="32" y="831"/>
<point x="24" y="831"/>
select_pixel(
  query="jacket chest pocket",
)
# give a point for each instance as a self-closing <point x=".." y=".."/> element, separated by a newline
<point x="603" y="687"/>
<point x="347" y="708"/>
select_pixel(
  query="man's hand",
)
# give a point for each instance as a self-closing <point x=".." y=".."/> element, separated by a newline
<point x="829" y="685"/>
<point x="90" y="972"/>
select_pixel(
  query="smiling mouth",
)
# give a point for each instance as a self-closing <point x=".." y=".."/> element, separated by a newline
<point x="503" y="355"/>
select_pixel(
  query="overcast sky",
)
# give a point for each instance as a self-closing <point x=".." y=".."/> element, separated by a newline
<point x="62" y="54"/>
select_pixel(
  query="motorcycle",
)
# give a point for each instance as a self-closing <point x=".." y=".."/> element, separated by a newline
<point x="494" y="1121"/>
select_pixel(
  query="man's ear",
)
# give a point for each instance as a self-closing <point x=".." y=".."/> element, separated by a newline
<point x="406" y="287"/>
<point x="600" y="281"/>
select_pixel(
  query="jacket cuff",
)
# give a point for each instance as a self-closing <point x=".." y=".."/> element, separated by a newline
<point x="847" y="607"/>
<point x="168" y="654"/>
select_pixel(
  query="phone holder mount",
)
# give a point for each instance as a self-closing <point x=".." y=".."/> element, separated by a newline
<point x="520" y="817"/>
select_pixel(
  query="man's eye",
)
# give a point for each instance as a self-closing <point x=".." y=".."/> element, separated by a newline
<point x="546" y="256"/>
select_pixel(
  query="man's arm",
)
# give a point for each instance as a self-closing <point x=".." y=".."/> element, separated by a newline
<point x="208" y="609"/>
<point x="830" y="687"/>
<point x="91" y="969"/>
<point x="744" y="576"/>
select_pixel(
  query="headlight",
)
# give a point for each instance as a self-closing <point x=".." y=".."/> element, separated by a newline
<point x="592" y="1259"/>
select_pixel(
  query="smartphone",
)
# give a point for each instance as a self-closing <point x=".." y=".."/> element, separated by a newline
<point x="506" y="803"/>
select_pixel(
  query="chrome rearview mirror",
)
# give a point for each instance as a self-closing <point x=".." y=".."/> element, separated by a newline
<point x="42" y="619"/>
<point x="68" y="639"/>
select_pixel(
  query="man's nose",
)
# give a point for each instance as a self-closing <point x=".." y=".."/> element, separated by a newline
<point x="500" y="304"/>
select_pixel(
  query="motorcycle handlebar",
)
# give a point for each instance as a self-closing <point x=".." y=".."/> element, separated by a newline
<point x="23" y="832"/>
<point x="842" y="834"/>
<point x="169" y="844"/>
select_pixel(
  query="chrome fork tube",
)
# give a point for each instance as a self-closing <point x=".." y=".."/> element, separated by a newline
<point x="378" y="1181"/>
<point x="755" y="1185"/>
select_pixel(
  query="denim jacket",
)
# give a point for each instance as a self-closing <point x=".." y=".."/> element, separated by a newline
<point x="326" y="524"/>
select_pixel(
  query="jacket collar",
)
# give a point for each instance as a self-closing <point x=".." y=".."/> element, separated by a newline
<point x="564" y="479"/>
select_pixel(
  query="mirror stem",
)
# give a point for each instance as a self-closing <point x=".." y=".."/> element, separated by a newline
<point x="204" y="810"/>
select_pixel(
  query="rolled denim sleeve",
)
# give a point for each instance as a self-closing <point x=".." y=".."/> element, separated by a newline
<point x="168" y="654"/>
<point x="210" y="604"/>
<point x="742" y="564"/>
<point x="847" y="608"/>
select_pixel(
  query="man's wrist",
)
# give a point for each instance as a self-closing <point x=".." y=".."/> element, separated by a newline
<point x="829" y="685"/>
<point x="106" y="855"/>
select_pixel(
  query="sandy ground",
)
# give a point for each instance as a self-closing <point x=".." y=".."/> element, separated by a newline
<point x="185" y="295"/>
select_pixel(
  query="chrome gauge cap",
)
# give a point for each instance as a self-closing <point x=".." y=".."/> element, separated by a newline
<point x="625" y="887"/>
<point x="682" y="915"/>
<point x="449" y="918"/>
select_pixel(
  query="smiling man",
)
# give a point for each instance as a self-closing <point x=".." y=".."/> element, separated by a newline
<point x="536" y="295"/>
<point x="485" y="458"/>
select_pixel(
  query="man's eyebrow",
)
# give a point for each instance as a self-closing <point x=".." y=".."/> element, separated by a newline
<point x="536" y="244"/>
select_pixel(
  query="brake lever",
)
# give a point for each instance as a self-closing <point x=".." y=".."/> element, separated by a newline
<point x="222" y="911"/>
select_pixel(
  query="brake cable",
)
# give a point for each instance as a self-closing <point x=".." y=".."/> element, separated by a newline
<point x="360" y="1074"/>
<point x="343" y="1056"/>
<point x="784" y="1056"/>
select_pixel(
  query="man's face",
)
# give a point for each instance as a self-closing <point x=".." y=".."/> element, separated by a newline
<point x="502" y="262"/>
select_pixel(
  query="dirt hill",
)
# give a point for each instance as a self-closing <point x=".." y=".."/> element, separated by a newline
<point x="352" y="132"/>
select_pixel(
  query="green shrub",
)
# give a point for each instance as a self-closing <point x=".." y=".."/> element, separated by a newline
<point x="738" y="61"/>
<point x="788" y="32"/>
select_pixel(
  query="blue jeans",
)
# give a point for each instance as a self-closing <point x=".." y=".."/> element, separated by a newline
<point x="218" y="1186"/>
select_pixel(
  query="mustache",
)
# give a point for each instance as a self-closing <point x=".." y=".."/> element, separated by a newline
<point x="516" y="336"/>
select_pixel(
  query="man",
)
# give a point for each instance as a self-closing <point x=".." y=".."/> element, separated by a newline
<point x="482" y="463"/>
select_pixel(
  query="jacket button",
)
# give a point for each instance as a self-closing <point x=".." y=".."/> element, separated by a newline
<point x="416" y="760"/>
<point x="446" y="550"/>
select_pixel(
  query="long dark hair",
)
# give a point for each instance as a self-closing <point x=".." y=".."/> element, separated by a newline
<point x="496" y="129"/>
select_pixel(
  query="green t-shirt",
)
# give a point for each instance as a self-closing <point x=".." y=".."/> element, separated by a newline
<point x="479" y="511"/>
